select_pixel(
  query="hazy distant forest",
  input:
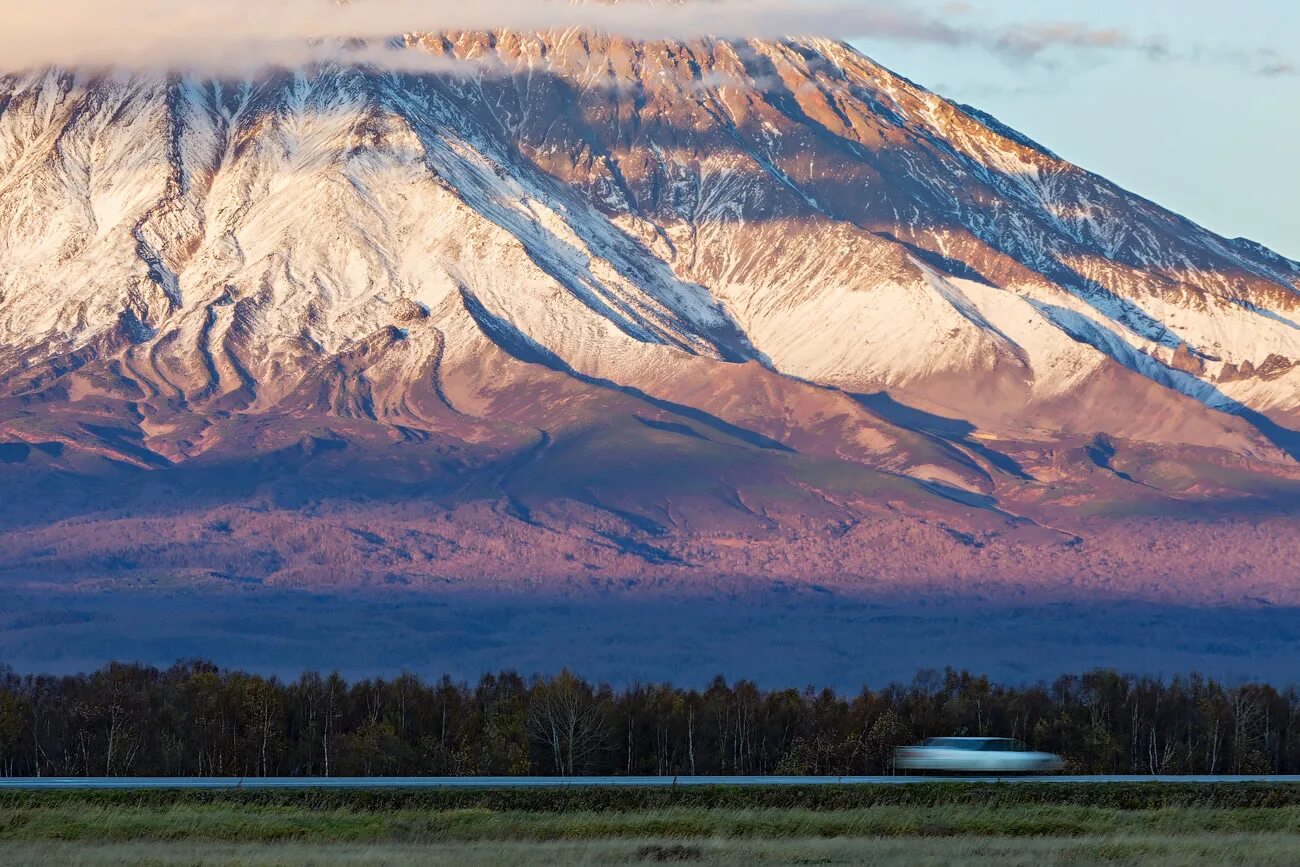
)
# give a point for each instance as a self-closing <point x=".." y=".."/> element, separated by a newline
<point x="196" y="719"/>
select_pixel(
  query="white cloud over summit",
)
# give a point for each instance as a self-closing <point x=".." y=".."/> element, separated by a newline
<point x="236" y="35"/>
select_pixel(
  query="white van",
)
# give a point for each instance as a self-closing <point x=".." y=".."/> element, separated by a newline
<point x="976" y="756"/>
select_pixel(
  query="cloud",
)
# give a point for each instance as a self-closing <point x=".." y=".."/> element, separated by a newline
<point x="1269" y="64"/>
<point x="1260" y="61"/>
<point x="1034" y="38"/>
<point x="1031" y="41"/>
<point x="219" y="32"/>
<point x="238" y="35"/>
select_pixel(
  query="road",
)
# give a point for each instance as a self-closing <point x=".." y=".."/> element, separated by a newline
<point x="31" y="783"/>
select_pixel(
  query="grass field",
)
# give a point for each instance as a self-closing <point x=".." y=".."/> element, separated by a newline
<point x="1251" y="849"/>
<point x="944" y="824"/>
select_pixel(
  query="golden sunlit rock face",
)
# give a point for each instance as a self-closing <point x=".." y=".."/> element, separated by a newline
<point x="574" y="305"/>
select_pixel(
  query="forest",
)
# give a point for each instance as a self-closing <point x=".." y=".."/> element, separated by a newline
<point x="196" y="719"/>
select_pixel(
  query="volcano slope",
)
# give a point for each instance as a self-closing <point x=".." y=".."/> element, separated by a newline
<point x="576" y="312"/>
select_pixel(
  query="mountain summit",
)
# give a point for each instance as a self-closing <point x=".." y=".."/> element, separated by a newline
<point x="576" y="307"/>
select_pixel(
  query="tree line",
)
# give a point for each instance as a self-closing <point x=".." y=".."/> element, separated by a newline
<point x="195" y="719"/>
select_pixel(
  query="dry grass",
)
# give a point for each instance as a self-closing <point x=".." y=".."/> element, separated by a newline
<point x="1147" y="851"/>
<point x="248" y="823"/>
<point x="77" y="829"/>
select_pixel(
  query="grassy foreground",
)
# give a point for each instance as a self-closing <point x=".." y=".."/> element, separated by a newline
<point x="939" y="824"/>
<point x="959" y="852"/>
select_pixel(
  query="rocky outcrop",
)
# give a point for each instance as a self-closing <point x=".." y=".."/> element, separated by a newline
<point x="1272" y="368"/>
<point x="1275" y="367"/>
<point x="1184" y="360"/>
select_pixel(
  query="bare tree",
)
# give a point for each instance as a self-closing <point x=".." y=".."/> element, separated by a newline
<point x="12" y="722"/>
<point x="886" y="732"/>
<point x="565" y="717"/>
<point x="335" y="693"/>
<point x="263" y="710"/>
<point x="1248" y="715"/>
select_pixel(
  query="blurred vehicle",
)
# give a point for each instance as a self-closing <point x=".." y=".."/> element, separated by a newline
<point x="975" y="756"/>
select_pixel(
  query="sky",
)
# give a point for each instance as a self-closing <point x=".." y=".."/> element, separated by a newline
<point x="1194" y="104"/>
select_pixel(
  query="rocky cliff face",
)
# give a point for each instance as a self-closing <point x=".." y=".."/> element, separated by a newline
<point x="635" y="308"/>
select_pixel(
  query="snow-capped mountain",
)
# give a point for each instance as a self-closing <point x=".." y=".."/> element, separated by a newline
<point x="606" y="304"/>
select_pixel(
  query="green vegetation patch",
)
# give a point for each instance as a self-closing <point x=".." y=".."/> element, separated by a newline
<point x="1116" y="795"/>
<point x="248" y="821"/>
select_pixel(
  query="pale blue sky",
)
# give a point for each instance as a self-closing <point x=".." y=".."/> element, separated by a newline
<point x="1199" y="126"/>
